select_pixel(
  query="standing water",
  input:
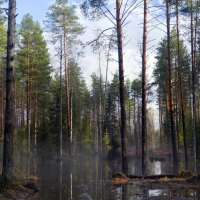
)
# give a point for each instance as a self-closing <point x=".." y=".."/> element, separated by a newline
<point x="88" y="177"/>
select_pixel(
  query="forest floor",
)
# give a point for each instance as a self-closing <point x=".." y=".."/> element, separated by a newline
<point x="19" y="191"/>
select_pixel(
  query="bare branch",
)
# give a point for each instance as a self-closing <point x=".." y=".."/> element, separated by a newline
<point x="126" y="43"/>
<point x="99" y="36"/>
<point x="109" y="12"/>
<point x="125" y="8"/>
<point x="126" y="24"/>
<point x="129" y="11"/>
<point x="104" y="13"/>
<point x="156" y="18"/>
<point x="121" y="4"/>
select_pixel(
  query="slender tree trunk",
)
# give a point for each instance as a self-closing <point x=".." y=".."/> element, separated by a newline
<point x="100" y="108"/>
<point x="28" y="113"/>
<point x="129" y="115"/>
<point x="2" y="109"/>
<point x="15" y="104"/>
<point x="67" y="92"/>
<point x="61" y="101"/>
<point x="121" y="88"/>
<point x="181" y="88"/>
<point x="22" y="110"/>
<point x="160" y="119"/>
<point x="28" y="104"/>
<point x="35" y="117"/>
<point x="7" y="169"/>
<point x="135" y="127"/>
<point x="194" y="124"/>
<point x="139" y="126"/>
<point x="144" y="106"/>
<point x="171" y="107"/>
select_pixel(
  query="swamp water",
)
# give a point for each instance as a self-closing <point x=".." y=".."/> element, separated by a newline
<point x="88" y="177"/>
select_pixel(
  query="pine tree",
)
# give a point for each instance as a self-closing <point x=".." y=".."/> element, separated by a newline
<point x="62" y="22"/>
<point x="34" y="72"/>
<point x="7" y="169"/>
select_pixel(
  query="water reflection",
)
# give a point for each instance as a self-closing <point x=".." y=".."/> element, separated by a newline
<point x="86" y="177"/>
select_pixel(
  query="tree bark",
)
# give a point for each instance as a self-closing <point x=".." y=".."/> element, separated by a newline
<point x="121" y="88"/>
<point x="171" y="107"/>
<point x="61" y="100"/>
<point x="7" y="169"/>
<point x="144" y="83"/>
<point x="35" y="118"/>
<point x="68" y="101"/>
<point x="2" y="109"/>
<point x="194" y="123"/>
<point x="181" y="88"/>
<point x="22" y="110"/>
<point x="28" y="103"/>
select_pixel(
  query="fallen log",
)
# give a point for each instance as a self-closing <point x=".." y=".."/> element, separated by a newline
<point x="120" y="179"/>
<point x="182" y="174"/>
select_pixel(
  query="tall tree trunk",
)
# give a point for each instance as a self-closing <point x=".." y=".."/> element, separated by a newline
<point x="35" y="117"/>
<point x="28" y="104"/>
<point x="28" y="108"/>
<point x="144" y="106"/>
<point x="160" y="119"/>
<point x="181" y="88"/>
<point x="15" y="104"/>
<point x="100" y="113"/>
<point x="135" y="127"/>
<point x="139" y="126"/>
<point x="67" y="92"/>
<point x="22" y="110"/>
<point x="7" y="169"/>
<point x="121" y="88"/>
<point x="61" y="101"/>
<point x="194" y="124"/>
<point x="2" y="109"/>
<point x="171" y="107"/>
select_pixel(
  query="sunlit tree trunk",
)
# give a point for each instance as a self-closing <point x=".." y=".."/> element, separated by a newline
<point x="7" y="169"/>
<point x="121" y="88"/>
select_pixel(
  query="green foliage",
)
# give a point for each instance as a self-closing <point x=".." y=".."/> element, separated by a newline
<point x="33" y="63"/>
<point x="93" y="8"/>
<point x="106" y="139"/>
<point x="161" y="76"/>
<point x="111" y="113"/>
<point x="62" y="18"/>
<point x="3" y="40"/>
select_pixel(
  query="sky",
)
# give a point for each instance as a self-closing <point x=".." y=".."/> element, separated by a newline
<point x="37" y="8"/>
<point x="133" y="33"/>
<point x="90" y="62"/>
